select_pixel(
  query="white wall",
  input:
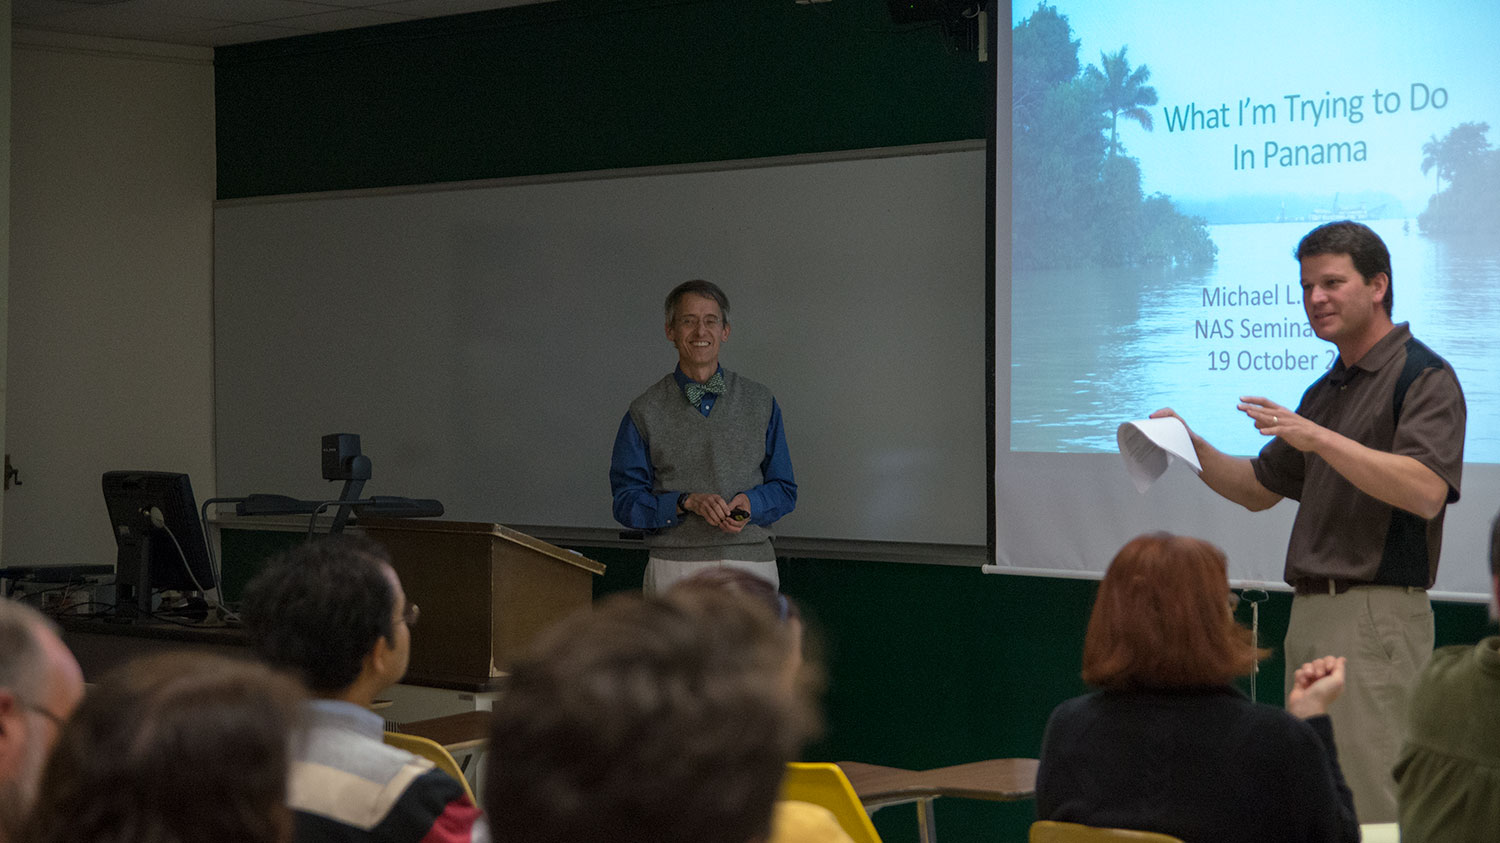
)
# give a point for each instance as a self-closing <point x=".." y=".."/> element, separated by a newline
<point x="110" y="345"/>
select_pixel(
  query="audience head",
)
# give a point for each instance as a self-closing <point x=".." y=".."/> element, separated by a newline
<point x="1495" y="566"/>
<point x="1162" y="619"/>
<point x="40" y="685"/>
<point x="333" y="613"/>
<point x="726" y="578"/>
<point x="173" y="748"/>
<point x="646" y="721"/>
<point x="1495" y="547"/>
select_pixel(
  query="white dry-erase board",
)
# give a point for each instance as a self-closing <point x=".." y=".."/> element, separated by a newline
<point x="484" y="340"/>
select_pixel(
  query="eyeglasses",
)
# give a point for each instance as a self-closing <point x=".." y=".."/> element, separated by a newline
<point x="56" y="721"/>
<point x="689" y="323"/>
<point x="410" y="614"/>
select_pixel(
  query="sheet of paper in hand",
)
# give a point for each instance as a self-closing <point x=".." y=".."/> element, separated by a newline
<point x="1148" y="446"/>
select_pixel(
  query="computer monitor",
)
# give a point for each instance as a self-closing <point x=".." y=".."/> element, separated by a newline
<point x="160" y="540"/>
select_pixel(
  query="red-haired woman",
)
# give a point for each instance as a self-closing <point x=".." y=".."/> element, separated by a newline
<point x="1168" y="744"/>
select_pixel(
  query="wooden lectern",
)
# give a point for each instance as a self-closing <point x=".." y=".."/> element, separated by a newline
<point x="484" y="592"/>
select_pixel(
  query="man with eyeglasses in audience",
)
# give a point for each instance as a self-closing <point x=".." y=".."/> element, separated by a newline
<point x="333" y="613"/>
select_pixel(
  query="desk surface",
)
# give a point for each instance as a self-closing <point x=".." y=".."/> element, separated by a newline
<point x="158" y="630"/>
<point x="996" y="780"/>
<point x="100" y="645"/>
<point x="455" y="732"/>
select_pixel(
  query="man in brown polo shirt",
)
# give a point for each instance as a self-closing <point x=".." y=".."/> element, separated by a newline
<point x="1373" y="454"/>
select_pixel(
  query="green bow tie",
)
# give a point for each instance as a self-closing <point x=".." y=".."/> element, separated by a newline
<point x="695" y="391"/>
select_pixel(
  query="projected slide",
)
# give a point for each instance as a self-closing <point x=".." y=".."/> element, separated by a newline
<point x="1168" y="156"/>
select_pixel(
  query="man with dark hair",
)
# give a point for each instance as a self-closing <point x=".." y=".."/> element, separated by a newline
<point x="700" y="461"/>
<point x="40" y="685"/>
<point x="1373" y="455"/>
<point x="646" y="721"/>
<point x="1448" y="779"/>
<point x="333" y="613"/>
<point x="1366" y="251"/>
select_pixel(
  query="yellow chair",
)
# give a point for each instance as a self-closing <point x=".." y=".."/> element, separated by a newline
<point x="1047" y="831"/>
<point x="826" y="785"/>
<point x="434" y="752"/>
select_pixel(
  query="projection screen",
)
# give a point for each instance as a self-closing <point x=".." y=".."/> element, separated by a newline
<point x="1156" y="165"/>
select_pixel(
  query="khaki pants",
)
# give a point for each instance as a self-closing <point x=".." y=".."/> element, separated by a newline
<point x="661" y="573"/>
<point x="1385" y="632"/>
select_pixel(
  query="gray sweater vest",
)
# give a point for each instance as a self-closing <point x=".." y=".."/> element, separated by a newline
<point x="721" y="453"/>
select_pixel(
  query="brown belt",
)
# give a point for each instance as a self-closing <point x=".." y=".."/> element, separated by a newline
<point x="1322" y="585"/>
<point x="1332" y="586"/>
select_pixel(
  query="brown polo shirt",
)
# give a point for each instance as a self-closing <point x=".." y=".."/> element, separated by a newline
<point x="1401" y="398"/>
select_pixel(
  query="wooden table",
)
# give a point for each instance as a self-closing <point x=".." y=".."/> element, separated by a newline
<point x="995" y="780"/>
<point x="455" y="732"/>
<point x="464" y="735"/>
<point x="100" y="645"/>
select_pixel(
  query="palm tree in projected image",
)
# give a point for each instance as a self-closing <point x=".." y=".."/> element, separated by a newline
<point x="1462" y="146"/>
<point x="1468" y="179"/>
<point x="1432" y="154"/>
<point x="1122" y="91"/>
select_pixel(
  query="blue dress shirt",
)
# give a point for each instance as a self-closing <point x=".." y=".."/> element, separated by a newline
<point x="632" y="478"/>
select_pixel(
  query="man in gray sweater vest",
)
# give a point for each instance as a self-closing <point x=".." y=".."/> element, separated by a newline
<point x="700" y="462"/>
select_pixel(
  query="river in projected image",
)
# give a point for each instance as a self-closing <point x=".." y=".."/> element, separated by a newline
<point x="1093" y="348"/>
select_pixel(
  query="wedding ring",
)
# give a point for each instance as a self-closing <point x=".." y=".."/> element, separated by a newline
<point x="1274" y="420"/>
